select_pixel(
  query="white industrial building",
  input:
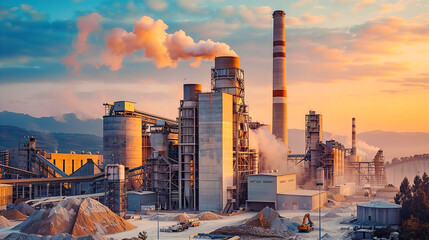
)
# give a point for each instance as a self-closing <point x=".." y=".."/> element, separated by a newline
<point x="379" y="212"/>
<point x="278" y="190"/>
<point x="215" y="150"/>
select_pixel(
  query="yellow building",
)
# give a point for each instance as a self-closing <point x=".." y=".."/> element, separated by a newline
<point x="6" y="191"/>
<point x="71" y="162"/>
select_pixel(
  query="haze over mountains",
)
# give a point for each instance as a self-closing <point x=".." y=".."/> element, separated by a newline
<point x="69" y="133"/>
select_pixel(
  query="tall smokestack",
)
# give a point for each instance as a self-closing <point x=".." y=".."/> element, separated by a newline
<point x="279" y="78"/>
<point x="353" y="137"/>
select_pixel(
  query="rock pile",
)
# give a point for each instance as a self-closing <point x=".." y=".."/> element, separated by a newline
<point x="266" y="224"/>
<point x="59" y="236"/>
<point x="4" y="222"/>
<point x="169" y="217"/>
<point x="13" y="214"/>
<point x="331" y="215"/>
<point x="24" y="208"/>
<point x="209" y="216"/>
<point x="76" y="217"/>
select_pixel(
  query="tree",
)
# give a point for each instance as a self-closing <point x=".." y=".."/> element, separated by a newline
<point x="418" y="184"/>
<point x="404" y="192"/>
<point x="142" y="235"/>
<point x="425" y="179"/>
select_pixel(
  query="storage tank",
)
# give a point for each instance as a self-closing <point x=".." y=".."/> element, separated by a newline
<point x="379" y="212"/>
<point x="122" y="140"/>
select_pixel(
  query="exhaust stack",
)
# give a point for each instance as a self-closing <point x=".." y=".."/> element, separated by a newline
<point x="279" y="78"/>
<point x="353" y="153"/>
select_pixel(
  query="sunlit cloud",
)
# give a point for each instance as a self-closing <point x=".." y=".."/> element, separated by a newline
<point x="362" y="4"/>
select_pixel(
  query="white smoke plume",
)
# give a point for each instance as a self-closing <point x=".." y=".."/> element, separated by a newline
<point x="165" y="49"/>
<point x="273" y="151"/>
<point x="365" y="150"/>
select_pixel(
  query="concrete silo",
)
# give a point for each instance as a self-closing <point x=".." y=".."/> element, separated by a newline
<point x="122" y="136"/>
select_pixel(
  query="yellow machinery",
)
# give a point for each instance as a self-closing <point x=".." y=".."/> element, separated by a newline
<point x="304" y="227"/>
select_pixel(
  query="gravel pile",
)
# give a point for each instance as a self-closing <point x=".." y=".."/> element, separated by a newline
<point x="76" y="217"/>
<point x="4" y="222"/>
<point x="266" y="224"/>
<point x="209" y="216"/>
<point x="171" y="217"/>
<point x="24" y="208"/>
<point x="59" y="236"/>
<point x="13" y="214"/>
<point x="331" y="215"/>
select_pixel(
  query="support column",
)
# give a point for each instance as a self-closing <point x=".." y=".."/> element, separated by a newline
<point x="61" y="189"/>
<point x="31" y="191"/>
<point x="47" y="190"/>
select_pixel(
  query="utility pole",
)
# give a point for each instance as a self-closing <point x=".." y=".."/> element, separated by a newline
<point x="157" y="214"/>
<point x="319" y="182"/>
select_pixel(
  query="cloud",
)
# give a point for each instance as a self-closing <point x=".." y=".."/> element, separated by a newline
<point x="190" y="5"/>
<point x="304" y="19"/>
<point x="335" y="15"/>
<point x="301" y="3"/>
<point x="390" y="8"/>
<point x="257" y="17"/>
<point x="86" y="25"/>
<point x="362" y="4"/>
<point x="157" y="5"/>
<point x="165" y="49"/>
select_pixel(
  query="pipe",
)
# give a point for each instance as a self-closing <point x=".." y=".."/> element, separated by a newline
<point x="353" y="153"/>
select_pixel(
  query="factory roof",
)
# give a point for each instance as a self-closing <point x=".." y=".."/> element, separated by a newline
<point x="379" y="204"/>
<point x="140" y="193"/>
<point x="301" y="192"/>
<point x="5" y="185"/>
<point x="274" y="174"/>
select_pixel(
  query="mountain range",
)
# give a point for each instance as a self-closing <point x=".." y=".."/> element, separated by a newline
<point x="69" y="133"/>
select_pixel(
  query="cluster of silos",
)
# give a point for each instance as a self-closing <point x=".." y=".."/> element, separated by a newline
<point x="338" y="169"/>
<point x="122" y="136"/>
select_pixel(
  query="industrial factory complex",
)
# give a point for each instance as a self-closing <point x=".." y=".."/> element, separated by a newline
<point x="202" y="160"/>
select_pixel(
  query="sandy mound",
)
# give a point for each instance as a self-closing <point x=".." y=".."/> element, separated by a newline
<point x="297" y="219"/>
<point x="170" y="217"/>
<point x="331" y="215"/>
<point x="59" y="236"/>
<point x="13" y="214"/>
<point x="209" y="216"/>
<point x="76" y="217"/>
<point x="263" y="219"/>
<point x="4" y="222"/>
<point x="94" y="216"/>
<point x="24" y="208"/>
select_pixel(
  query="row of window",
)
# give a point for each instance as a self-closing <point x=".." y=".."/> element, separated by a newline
<point x="64" y="164"/>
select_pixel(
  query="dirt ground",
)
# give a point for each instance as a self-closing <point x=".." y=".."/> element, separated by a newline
<point x="331" y="226"/>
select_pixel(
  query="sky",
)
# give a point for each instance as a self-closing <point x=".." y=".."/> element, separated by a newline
<point x="345" y="58"/>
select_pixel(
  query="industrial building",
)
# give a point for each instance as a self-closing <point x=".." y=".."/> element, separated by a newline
<point x="137" y="201"/>
<point x="279" y="191"/>
<point x="71" y="162"/>
<point x="380" y="212"/>
<point x="6" y="193"/>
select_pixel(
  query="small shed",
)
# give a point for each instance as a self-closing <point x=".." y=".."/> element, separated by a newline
<point x="380" y="212"/>
<point x="301" y="200"/>
<point x="137" y="200"/>
<point x="388" y="192"/>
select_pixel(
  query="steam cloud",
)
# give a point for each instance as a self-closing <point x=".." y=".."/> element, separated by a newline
<point x="273" y="151"/>
<point x="86" y="25"/>
<point x="165" y="49"/>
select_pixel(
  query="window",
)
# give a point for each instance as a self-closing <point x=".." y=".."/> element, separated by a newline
<point x="72" y="165"/>
<point x="64" y="165"/>
<point x="81" y="162"/>
<point x="54" y="162"/>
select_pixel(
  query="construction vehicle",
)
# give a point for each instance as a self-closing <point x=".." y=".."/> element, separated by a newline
<point x="182" y="226"/>
<point x="306" y="227"/>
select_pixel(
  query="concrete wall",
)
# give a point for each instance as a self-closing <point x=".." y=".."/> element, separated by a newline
<point x="215" y="150"/>
<point x="396" y="172"/>
<point x="386" y="216"/>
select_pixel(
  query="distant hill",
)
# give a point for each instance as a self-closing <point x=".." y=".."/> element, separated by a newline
<point x="397" y="144"/>
<point x="69" y="123"/>
<point x="61" y="142"/>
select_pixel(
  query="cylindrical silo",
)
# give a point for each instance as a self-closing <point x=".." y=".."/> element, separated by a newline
<point x="122" y="140"/>
<point x="279" y="78"/>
